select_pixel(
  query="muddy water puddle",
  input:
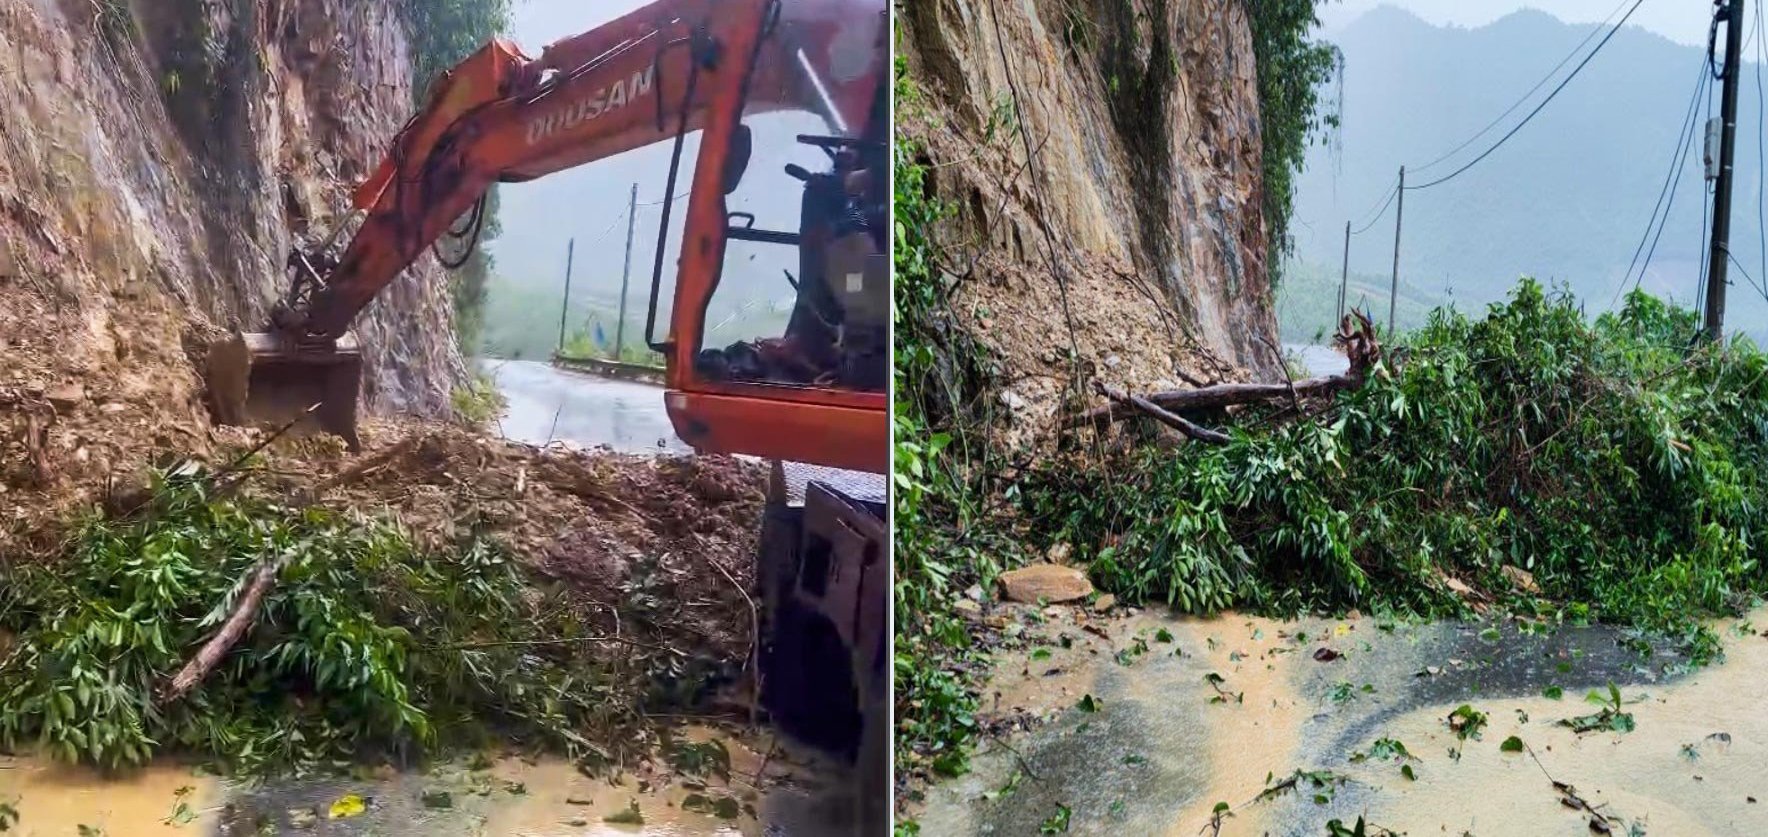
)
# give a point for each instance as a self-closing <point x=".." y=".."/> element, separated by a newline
<point x="1145" y="724"/>
<point x="777" y="791"/>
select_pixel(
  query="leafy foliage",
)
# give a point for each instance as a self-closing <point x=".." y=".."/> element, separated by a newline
<point x="1609" y="717"/>
<point x="938" y="485"/>
<point x="1292" y="68"/>
<point x="477" y="402"/>
<point x="1620" y="464"/>
<point x="365" y="647"/>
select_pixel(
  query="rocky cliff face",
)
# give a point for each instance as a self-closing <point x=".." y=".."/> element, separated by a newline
<point x="165" y="155"/>
<point x="156" y="161"/>
<point x="1145" y="185"/>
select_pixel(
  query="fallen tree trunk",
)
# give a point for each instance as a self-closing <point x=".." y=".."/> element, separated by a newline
<point x="1179" y="423"/>
<point x="1355" y="335"/>
<point x="1220" y="395"/>
<point x="231" y="631"/>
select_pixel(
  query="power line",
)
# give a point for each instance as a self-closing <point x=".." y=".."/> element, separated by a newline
<point x="1544" y="102"/>
<point x="1746" y="274"/>
<point x="1678" y="159"/>
<point x="1525" y="97"/>
<point x="1391" y="193"/>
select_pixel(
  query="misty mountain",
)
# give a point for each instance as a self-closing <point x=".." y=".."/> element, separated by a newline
<point x="1567" y="199"/>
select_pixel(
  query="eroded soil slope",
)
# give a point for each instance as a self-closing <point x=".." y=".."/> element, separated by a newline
<point x="1133" y="234"/>
<point x="157" y="161"/>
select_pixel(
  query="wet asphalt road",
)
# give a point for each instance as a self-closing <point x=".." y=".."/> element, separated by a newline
<point x="551" y="405"/>
<point x="1159" y="750"/>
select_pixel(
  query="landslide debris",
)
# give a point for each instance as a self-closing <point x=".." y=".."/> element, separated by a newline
<point x="441" y="589"/>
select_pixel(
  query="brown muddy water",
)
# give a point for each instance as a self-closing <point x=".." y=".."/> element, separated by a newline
<point x="775" y="789"/>
<point x="1163" y="746"/>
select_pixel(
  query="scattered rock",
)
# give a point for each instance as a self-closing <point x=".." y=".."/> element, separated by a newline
<point x="967" y="607"/>
<point x="1112" y="361"/>
<point x="1045" y="582"/>
<point x="1326" y="655"/>
<point x="303" y="817"/>
<point x="1013" y="400"/>
<point x="1104" y="603"/>
<point x="66" y="396"/>
<point x="974" y="593"/>
<point x="1521" y="579"/>
<point x="1059" y="553"/>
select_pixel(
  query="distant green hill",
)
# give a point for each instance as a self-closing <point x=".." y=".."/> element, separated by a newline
<point x="1567" y="199"/>
<point x="1307" y="302"/>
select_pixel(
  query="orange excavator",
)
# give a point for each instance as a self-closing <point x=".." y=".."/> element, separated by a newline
<point x="811" y="399"/>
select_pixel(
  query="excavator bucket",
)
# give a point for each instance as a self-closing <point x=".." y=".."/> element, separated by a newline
<point x="259" y="379"/>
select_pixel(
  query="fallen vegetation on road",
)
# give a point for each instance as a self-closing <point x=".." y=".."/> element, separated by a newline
<point x="443" y="591"/>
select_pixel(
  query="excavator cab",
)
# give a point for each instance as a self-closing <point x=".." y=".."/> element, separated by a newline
<point x="778" y="340"/>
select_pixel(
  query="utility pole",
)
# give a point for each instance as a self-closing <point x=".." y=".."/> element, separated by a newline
<point x="1721" y="246"/>
<point x="626" y="273"/>
<point x="1344" y="273"/>
<point x="565" y="309"/>
<point x="1393" y="294"/>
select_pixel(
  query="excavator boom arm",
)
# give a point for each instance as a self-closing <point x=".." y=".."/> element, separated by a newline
<point x="501" y="116"/>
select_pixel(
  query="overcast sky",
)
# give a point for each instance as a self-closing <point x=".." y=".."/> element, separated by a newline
<point x="1683" y="21"/>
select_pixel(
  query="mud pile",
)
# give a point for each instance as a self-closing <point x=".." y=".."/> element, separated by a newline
<point x="591" y="520"/>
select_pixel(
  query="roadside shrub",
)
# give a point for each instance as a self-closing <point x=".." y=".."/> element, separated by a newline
<point x="1621" y="463"/>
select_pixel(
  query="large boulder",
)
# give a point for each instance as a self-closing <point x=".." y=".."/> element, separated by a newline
<point x="1045" y="582"/>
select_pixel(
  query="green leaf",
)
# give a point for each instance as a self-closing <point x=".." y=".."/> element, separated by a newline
<point x="628" y="816"/>
<point x="1512" y="744"/>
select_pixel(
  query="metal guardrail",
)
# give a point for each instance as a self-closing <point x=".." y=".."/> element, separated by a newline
<point x="616" y="369"/>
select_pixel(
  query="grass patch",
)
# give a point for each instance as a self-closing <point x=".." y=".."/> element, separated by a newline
<point x="477" y="402"/>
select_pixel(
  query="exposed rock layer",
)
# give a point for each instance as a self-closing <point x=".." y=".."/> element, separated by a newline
<point x="1146" y="182"/>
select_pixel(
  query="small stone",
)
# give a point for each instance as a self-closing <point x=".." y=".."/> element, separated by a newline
<point x="577" y="822"/>
<point x="973" y="593"/>
<point x="966" y="607"/>
<point x="1045" y="582"/>
<point x="111" y="407"/>
<point x="303" y="817"/>
<point x="1354" y="614"/>
<point x="1059" y="553"/>
<point x="1521" y="579"/>
<point x="1104" y="603"/>
<point x="65" y="396"/>
<point x="1012" y="400"/>
<point x="1013" y="630"/>
<point x="1112" y="361"/>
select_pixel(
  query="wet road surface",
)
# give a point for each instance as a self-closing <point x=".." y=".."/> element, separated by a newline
<point x="1164" y="745"/>
<point x="546" y="404"/>
<point x="799" y="795"/>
